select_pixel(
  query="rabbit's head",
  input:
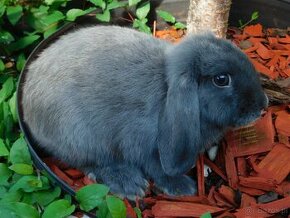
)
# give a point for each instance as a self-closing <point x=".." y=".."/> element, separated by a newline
<point x="212" y="86"/>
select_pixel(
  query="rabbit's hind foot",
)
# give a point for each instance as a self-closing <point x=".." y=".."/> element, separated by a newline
<point x="176" y="185"/>
<point x="123" y="180"/>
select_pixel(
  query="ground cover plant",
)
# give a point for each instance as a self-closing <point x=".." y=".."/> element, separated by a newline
<point x="26" y="192"/>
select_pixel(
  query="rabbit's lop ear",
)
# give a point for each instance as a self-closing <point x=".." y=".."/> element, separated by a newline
<point x="179" y="125"/>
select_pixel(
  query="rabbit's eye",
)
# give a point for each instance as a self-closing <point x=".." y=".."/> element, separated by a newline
<point x="222" y="80"/>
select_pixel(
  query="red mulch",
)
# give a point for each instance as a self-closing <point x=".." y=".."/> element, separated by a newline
<point x="252" y="162"/>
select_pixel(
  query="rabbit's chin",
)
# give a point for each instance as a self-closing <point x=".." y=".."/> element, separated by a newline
<point x="245" y="121"/>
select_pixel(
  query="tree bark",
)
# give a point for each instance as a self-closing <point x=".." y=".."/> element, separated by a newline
<point x="204" y="15"/>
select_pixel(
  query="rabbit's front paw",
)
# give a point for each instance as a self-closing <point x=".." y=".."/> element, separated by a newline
<point x="124" y="181"/>
<point x="177" y="185"/>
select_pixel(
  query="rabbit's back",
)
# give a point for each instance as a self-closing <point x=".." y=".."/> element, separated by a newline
<point x="95" y="93"/>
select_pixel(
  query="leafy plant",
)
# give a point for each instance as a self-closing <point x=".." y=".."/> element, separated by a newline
<point x="24" y="191"/>
<point x="167" y="17"/>
<point x="254" y="16"/>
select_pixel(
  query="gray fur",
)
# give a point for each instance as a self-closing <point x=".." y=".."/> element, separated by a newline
<point x="128" y="107"/>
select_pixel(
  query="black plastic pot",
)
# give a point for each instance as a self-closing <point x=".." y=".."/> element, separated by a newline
<point x="241" y="9"/>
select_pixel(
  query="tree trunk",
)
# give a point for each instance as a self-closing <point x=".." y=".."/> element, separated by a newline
<point x="208" y="15"/>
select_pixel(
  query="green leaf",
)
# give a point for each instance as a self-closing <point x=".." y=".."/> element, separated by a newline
<point x="30" y="184"/>
<point x="7" y="89"/>
<point x="22" y="169"/>
<point x="255" y="15"/>
<point x="240" y="23"/>
<point x="27" y="198"/>
<point x="8" y="121"/>
<point x="138" y="212"/>
<point x="2" y="66"/>
<point x="54" y="17"/>
<point x="91" y="196"/>
<point x="99" y="3"/>
<point x="6" y="37"/>
<point x="72" y="14"/>
<point x="11" y="197"/>
<point x="23" y="42"/>
<point x="46" y="196"/>
<point x="206" y="215"/>
<point x="67" y="197"/>
<point x="49" y="2"/>
<point x="143" y="10"/>
<point x="2" y="8"/>
<point x="58" y="209"/>
<point x="103" y="210"/>
<point x="3" y="190"/>
<point x="52" y="29"/>
<point x="134" y="2"/>
<point x="19" y="152"/>
<point x="179" y="25"/>
<point x="12" y="106"/>
<point x="3" y="150"/>
<point x="116" y="207"/>
<point x="105" y="16"/>
<point x="14" y="13"/>
<point x="18" y="209"/>
<point x="142" y="26"/>
<point x="20" y="62"/>
<point x="166" y="16"/>
<point x="5" y="174"/>
<point x="115" y="4"/>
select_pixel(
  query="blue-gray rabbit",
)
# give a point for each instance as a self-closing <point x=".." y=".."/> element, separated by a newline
<point x="128" y="108"/>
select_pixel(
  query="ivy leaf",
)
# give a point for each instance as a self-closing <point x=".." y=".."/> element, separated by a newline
<point x="19" y="152"/>
<point x="14" y="13"/>
<point x="116" y="207"/>
<point x="105" y="16"/>
<point x="20" y="62"/>
<point x="103" y="210"/>
<point x="72" y="14"/>
<point x="179" y="25"/>
<point x="45" y="197"/>
<point x="3" y="150"/>
<point x="58" y="209"/>
<point x="30" y="184"/>
<point x="5" y="174"/>
<point x="2" y="66"/>
<point x="52" y="29"/>
<point x="22" y="169"/>
<point x="115" y="4"/>
<point x="11" y="197"/>
<point x="166" y="16"/>
<point x="12" y="106"/>
<point x="18" y="209"/>
<point x="91" y="196"/>
<point x="134" y="2"/>
<point x="255" y="15"/>
<point x="143" y="10"/>
<point x="53" y="18"/>
<point x="141" y="25"/>
<point x="2" y="8"/>
<point x="99" y="3"/>
<point x="6" y="37"/>
<point x="7" y="89"/>
<point x="23" y="42"/>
